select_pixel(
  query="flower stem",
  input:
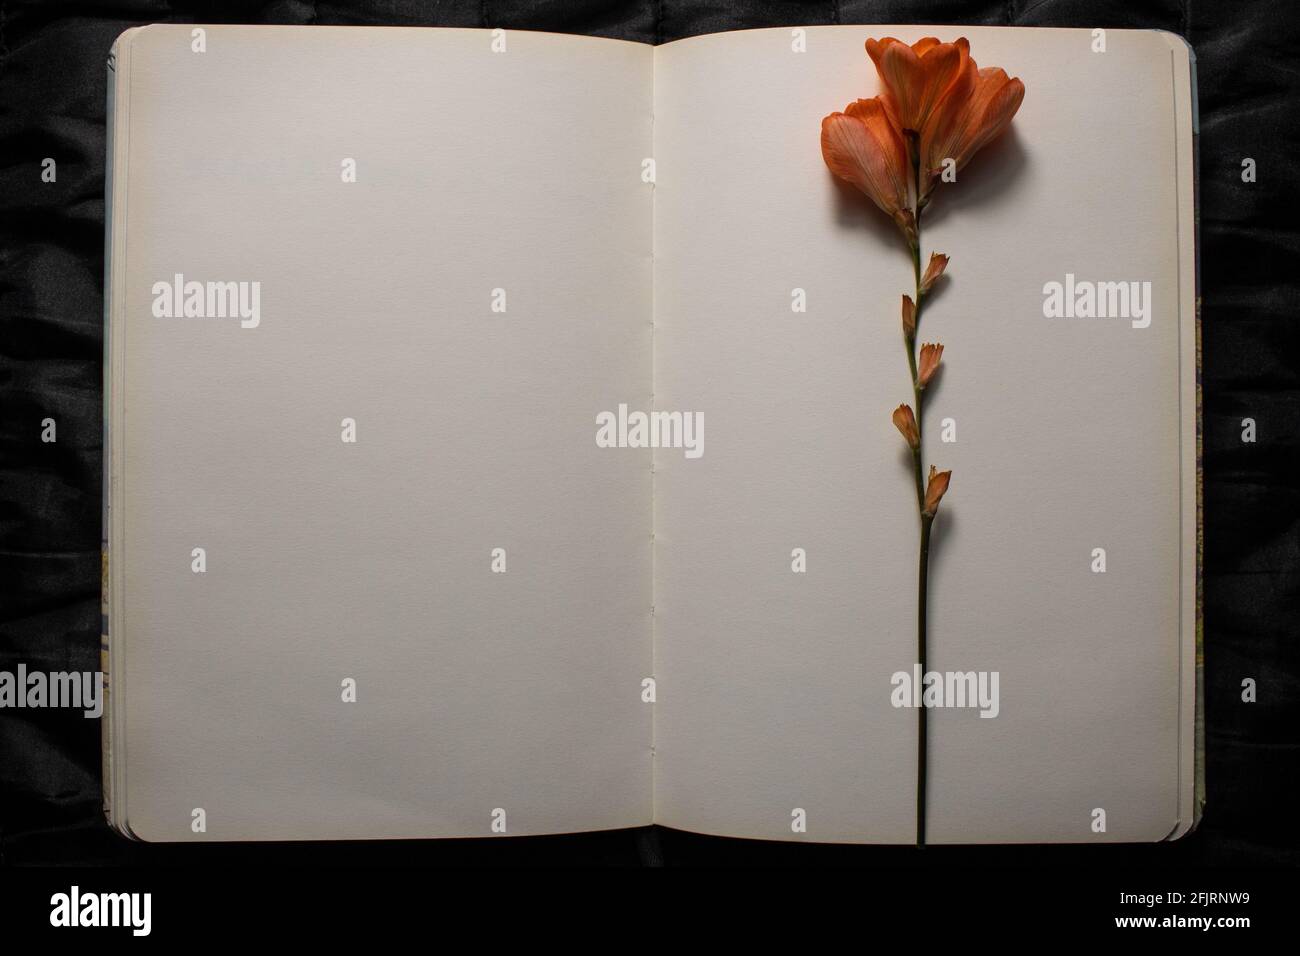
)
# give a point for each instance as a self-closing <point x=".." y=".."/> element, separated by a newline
<point x="910" y="342"/>
<point x="923" y="574"/>
<point x="923" y="571"/>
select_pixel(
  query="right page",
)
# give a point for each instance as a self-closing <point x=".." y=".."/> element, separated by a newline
<point x="1063" y="568"/>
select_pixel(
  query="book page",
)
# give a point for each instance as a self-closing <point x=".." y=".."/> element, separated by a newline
<point x="786" y="554"/>
<point x="374" y="578"/>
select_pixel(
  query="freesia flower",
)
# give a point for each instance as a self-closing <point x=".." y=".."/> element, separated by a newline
<point x="922" y="82"/>
<point x="862" y="147"/>
<point x="961" y="133"/>
<point x="935" y="105"/>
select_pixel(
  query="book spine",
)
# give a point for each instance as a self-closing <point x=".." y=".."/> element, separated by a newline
<point x="110" y="648"/>
<point x="105" y="585"/>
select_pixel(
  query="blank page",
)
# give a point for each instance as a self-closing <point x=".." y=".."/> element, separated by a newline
<point x="472" y="560"/>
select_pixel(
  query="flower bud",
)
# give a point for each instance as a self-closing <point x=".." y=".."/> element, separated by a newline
<point x="938" y="262"/>
<point x="905" y="422"/>
<point x="930" y="356"/>
<point x="909" y="318"/>
<point x="935" y="489"/>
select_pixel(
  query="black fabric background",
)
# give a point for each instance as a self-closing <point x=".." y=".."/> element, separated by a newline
<point x="52" y="93"/>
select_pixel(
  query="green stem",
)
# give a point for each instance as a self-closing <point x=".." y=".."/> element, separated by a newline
<point x="911" y="363"/>
<point x="923" y="571"/>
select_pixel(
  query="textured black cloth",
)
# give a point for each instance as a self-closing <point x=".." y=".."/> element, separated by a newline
<point x="52" y="104"/>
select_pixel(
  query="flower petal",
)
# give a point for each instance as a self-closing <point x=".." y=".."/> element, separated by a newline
<point x="862" y="147"/>
<point x="995" y="104"/>
<point x="988" y="112"/>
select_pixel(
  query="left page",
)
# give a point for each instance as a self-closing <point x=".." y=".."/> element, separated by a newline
<point x="370" y="574"/>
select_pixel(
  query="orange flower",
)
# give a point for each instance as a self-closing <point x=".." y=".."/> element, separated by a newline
<point x="909" y="317"/>
<point x="930" y="356"/>
<point x="905" y="422"/>
<point x="938" y="262"/>
<point x="862" y="147"/>
<point x="935" y="490"/>
<point x="922" y="82"/>
<point x="960" y="134"/>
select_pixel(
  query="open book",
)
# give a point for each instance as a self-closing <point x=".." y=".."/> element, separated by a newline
<point x="414" y="526"/>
